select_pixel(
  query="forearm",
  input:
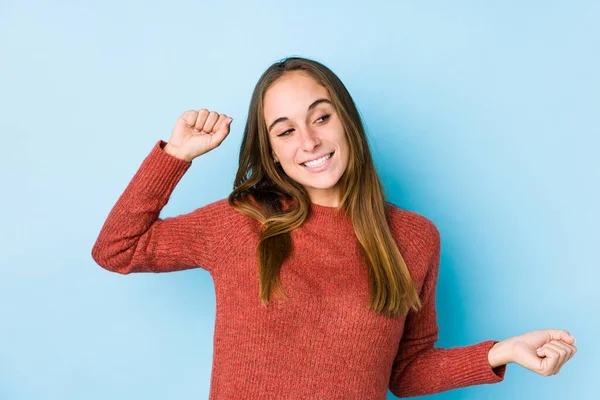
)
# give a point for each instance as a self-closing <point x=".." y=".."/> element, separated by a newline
<point x="434" y="370"/>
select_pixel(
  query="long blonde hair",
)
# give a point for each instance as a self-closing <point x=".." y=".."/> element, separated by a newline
<point x="260" y="185"/>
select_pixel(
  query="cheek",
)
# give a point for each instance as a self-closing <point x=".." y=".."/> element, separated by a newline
<point x="343" y="141"/>
<point x="287" y="154"/>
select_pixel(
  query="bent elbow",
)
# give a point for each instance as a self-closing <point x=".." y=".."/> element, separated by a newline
<point x="108" y="263"/>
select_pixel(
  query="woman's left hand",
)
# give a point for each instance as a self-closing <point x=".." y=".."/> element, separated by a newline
<point x="542" y="351"/>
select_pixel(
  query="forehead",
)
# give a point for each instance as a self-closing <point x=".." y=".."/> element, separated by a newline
<point x="291" y="95"/>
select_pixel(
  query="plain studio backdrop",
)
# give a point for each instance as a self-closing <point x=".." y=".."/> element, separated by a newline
<point x="482" y="116"/>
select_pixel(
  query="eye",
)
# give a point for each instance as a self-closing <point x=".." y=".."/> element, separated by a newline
<point x="325" y="118"/>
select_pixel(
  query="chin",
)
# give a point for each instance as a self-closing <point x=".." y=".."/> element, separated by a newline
<point x="324" y="183"/>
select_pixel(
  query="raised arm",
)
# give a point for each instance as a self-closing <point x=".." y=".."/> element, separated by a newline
<point x="134" y="238"/>
<point x="420" y="368"/>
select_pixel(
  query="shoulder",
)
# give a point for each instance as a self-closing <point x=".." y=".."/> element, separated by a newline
<point x="219" y="213"/>
<point x="220" y="222"/>
<point x="407" y="225"/>
<point x="215" y="207"/>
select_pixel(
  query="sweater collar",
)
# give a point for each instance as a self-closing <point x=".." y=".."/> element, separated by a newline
<point x="329" y="217"/>
<point x="326" y="217"/>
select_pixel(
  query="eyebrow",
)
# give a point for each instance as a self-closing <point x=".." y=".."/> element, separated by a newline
<point x="313" y="105"/>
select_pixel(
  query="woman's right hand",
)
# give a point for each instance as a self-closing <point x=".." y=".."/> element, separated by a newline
<point x="196" y="133"/>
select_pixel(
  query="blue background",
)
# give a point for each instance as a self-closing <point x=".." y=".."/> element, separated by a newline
<point x="483" y="117"/>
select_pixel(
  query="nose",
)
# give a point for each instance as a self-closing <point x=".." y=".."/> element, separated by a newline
<point x="309" y="139"/>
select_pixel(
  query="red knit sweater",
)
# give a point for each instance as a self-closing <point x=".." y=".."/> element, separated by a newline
<point x="323" y="342"/>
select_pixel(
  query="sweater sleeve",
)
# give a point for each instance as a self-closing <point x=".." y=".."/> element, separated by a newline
<point x="133" y="237"/>
<point x="422" y="369"/>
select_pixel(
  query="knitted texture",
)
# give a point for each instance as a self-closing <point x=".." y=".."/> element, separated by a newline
<point x="323" y="342"/>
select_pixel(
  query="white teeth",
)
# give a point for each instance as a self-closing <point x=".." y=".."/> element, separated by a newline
<point x="318" y="162"/>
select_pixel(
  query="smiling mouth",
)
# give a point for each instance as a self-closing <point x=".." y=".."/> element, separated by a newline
<point x="328" y="154"/>
<point x="324" y="160"/>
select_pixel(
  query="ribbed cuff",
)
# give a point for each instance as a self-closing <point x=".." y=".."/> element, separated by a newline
<point x="161" y="171"/>
<point x="473" y="368"/>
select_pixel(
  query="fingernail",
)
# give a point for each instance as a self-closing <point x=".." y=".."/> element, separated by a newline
<point x="539" y="349"/>
<point x="574" y="340"/>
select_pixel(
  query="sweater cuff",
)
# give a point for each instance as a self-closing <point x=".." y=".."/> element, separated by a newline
<point x="473" y="367"/>
<point x="161" y="171"/>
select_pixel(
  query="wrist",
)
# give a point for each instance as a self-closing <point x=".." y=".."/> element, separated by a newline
<point x="500" y="353"/>
<point x="173" y="151"/>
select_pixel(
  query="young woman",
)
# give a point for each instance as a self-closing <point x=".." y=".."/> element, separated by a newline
<point x="323" y="288"/>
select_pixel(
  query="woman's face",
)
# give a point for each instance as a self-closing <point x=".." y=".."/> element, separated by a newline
<point x="303" y="126"/>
